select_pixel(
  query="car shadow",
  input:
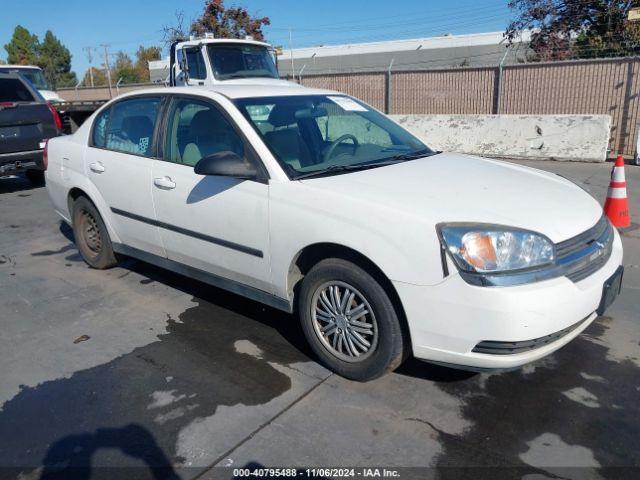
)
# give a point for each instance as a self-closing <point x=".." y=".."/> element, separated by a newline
<point x="412" y="367"/>
<point x="71" y="456"/>
<point x="210" y="186"/>
<point x="287" y="325"/>
<point x="16" y="183"/>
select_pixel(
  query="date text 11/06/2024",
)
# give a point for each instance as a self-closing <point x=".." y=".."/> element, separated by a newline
<point x="263" y="472"/>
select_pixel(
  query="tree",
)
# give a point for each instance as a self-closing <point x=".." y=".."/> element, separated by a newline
<point x="99" y="77"/>
<point x="22" y="49"/>
<point x="124" y="69"/>
<point x="223" y="22"/>
<point x="50" y="55"/>
<point x="55" y="61"/>
<point x="576" y="28"/>
<point x="143" y="57"/>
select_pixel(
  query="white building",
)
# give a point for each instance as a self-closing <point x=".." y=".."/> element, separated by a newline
<point x="479" y="49"/>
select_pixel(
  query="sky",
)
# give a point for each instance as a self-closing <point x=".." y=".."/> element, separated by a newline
<point x="126" y="24"/>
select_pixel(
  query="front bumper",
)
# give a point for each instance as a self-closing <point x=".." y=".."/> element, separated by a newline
<point x="448" y="320"/>
<point x="20" y="161"/>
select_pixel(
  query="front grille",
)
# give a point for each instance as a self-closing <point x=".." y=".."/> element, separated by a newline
<point x="580" y="241"/>
<point x="587" y="252"/>
<point x="491" y="347"/>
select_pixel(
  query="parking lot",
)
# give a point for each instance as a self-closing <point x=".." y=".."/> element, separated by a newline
<point x="137" y="367"/>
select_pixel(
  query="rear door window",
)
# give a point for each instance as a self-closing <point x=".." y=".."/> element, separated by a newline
<point x="13" y="90"/>
<point x="129" y="126"/>
<point x="100" y="128"/>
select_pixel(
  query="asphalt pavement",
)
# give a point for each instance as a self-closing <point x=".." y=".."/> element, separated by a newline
<point x="136" y="372"/>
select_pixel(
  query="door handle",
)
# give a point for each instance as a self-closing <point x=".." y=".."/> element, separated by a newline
<point x="96" y="167"/>
<point x="164" y="182"/>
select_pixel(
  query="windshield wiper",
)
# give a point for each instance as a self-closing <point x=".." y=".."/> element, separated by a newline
<point x="413" y="155"/>
<point x="365" y="166"/>
<point x="336" y="169"/>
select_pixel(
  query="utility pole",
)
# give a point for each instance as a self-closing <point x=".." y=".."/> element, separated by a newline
<point x="293" y="70"/>
<point x="90" y="58"/>
<point x="106" y="65"/>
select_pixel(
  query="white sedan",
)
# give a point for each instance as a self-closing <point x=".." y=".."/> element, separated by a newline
<point x="314" y="202"/>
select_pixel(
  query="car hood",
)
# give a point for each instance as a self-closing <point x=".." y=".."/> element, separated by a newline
<point x="50" y="95"/>
<point x="452" y="187"/>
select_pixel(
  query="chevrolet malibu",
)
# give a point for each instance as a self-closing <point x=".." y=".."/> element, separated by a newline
<point x="313" y="202"/>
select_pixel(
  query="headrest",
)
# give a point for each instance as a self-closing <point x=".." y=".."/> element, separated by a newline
<point x="282" y="115"/>
<point x="137" y="127"/>
<point x="206" y="122"/>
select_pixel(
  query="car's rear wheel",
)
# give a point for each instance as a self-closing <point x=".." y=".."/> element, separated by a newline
<point x="92" y="237"/>
<point x="349" y="320"/>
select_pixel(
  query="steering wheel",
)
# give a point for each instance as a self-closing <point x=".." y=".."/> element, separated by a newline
<point x="329" y="152"/>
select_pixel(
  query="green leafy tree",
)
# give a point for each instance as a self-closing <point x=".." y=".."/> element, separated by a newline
<point x="123" y="68"/>
<point x="50" y="55"/>
<point x="55" y="60"/>
<point x="22" y="49"/>
<point x="143" y="57"/>
<point x="68" y="79"/>
<point x="576" y="28"/>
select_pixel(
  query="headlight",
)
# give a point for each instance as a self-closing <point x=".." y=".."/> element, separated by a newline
<point x="492" y="249"/>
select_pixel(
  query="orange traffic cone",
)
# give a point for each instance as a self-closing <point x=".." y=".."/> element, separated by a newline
<point x="616" y="206"/>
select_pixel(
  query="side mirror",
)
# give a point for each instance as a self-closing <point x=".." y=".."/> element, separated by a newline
<point x="226" y="164"/>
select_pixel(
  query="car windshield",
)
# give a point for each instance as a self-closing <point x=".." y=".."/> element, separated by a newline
<point x="241" y="61"/>
<point x="319" y="134"/>
<point x="34" y="75"/>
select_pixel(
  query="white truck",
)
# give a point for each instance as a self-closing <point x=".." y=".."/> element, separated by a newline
<point x="215" y="61"/>
<point x="196" y="62"/>
<point x="36" y="77"/>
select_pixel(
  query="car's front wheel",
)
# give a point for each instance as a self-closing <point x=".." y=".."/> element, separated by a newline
<point x="349" y="320"/>
<point x="92" y="237"/>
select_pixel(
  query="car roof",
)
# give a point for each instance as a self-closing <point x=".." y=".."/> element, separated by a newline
<point x="236" y="91"/>
<point x="24" y="67"/>
<point x="221" y="41"/>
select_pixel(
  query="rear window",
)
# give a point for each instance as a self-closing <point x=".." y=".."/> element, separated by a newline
<point x="13" y="90"/>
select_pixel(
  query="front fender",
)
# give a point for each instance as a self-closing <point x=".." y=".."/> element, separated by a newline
<point x="406" y="249"/>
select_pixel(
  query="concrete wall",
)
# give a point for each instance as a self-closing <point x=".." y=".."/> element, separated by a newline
<point x="557" y="137"/>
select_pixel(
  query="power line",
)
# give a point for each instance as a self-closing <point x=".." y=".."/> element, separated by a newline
<point x="408" y="34"/>
<point x="361" y="24"/>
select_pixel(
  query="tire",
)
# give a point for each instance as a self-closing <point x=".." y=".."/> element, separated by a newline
<point x="36" y="177"/>
<point x="92" y="237"/>
<point x="380" y="327"/>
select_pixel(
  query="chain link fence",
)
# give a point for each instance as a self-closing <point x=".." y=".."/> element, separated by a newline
<point x="602" y="86"/>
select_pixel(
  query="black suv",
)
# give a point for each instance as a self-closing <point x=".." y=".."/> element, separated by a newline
<point x="26" y="123"/>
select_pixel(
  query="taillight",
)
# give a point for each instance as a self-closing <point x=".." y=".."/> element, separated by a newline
<point x="45" y="154"/>
<point x="56" y="116"/>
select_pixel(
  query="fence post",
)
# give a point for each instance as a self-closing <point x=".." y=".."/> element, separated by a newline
<point x="300" y="73"/>
<point x="497" y="97"/>
<point x="626" y="137"/>
<point x="387" y="89"/>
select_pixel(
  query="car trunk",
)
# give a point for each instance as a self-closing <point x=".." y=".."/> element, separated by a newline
<point x="25" y="121"/>
<point x="23" y="126"/>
